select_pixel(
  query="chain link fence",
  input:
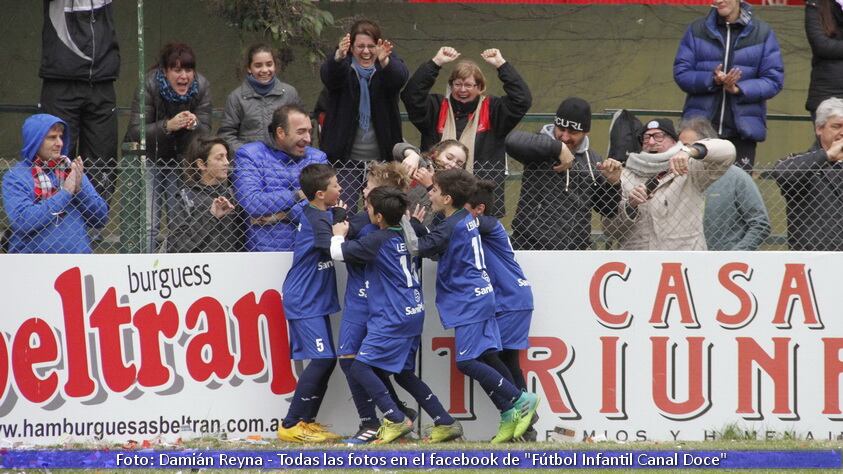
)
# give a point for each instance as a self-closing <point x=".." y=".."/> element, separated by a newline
<point x="174" y="210"/>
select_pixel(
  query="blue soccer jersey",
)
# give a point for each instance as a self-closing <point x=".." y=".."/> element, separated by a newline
<point x="396" y="306"/>
<point x="310" y="288"/>
<point x="512" y="289"/>
<point x="356" y="307"/>
<point x="464" y="292"/>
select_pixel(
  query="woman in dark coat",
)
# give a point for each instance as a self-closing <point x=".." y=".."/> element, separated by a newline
<point x="824" y="29"/>
<point x="362" y="121"/>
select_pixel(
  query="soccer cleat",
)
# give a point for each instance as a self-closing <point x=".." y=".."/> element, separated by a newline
<point x="300" y="433"/>
<point x="506" y="430"/>
<point x="445" y="433"/>
<point x="390" y="430"/>
<point x="324" y="431"/>
<point x="364" y="435"/>
<point x="526" y="405"/>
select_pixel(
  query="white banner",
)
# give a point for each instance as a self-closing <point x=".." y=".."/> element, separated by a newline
<point x="624" y="346"/>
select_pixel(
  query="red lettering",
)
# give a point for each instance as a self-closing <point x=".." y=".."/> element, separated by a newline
<point x="797" y="286"/>
<point x="778" y="367"/>
<point x="217" y="360"/>
<point x="833" y="367"/>
<point x="699" y="388"/>
<point x="35" y="344"/>
<point x="748" y="303"/>
<point x="597" y="295"/>
<point x="79" y="382"/>
<point x="249" y="314"/>
<point x="548" y="370"/>
<point x="153" y="325"/>
<point x="614" y="398"/>
<point x="673" y="286"/>
<point x="4" y="366"/>
<point x="458" y="405"/>
<point x="107" y="318"/>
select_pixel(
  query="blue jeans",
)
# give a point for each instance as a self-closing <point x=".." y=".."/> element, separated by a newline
<point x="162" y="191"/>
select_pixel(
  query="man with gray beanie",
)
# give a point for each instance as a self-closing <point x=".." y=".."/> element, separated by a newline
<point x="563" y="180"/>
<point x="663" y="190"/>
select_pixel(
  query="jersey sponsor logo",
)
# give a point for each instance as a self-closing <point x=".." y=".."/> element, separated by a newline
<point x="523" y="282"/>
<point x="362" y="291"/>
<point x="325" y="265"/>
<point x="483" y="291"/>
<point x="417" y="295"/>
<point x="414" y="310"/>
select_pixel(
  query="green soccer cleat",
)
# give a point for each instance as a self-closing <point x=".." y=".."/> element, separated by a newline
<point x="390" y="430"/>
<point x="526" y="405"/>
<point x="445" y="433"/>
<point x="506" y="430"/>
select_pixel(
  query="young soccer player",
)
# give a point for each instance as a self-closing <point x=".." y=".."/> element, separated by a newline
<point x="356" y="308"/>
<point x="466" y="302"/>
<point x="396" y="317"/>
<point x="310" y="296"/>
<point x="513" y="295"/>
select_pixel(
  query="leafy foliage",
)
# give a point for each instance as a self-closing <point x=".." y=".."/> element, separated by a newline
<point x="289" y="23"/>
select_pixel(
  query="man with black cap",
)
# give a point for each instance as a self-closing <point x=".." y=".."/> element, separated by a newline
<point x="663" y="190"/>
<point x="563" y="180"/>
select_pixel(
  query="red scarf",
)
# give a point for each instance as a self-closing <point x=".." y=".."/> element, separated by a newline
<point x="44" y="188"/>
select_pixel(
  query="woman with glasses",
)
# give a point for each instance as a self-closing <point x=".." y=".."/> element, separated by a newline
<point x="362" y="123"/>
<point x="466" y="114"/>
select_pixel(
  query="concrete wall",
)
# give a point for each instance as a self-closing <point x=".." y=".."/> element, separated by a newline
<point x="615" y="56"/>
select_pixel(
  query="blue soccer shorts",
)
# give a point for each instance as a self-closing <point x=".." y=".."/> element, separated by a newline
<point x="311" y="338"/>
<point x="351" y="336"/>
<point x="514" y="327"/>
<point x="472" y="340"/>
<point x="392" y="354"/>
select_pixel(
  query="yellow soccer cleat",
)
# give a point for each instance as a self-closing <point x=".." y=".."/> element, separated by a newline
<point x="301" y="433"/>
<point x="323" y="430"/>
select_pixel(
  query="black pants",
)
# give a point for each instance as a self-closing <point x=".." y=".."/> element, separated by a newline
<point x="90" y="110"/>
<point x="745" y="157"/>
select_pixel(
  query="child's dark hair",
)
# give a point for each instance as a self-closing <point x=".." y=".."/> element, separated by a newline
<point x="260" y="48"/>
<point x="457" y="183"/>
<point x="199" y="150"/>
<point x="389" y="202"/>
<point x="484" y="193"/>
<point x="314" y="178"/>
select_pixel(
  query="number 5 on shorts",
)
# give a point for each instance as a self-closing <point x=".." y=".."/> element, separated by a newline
<point x="319" y="346"/>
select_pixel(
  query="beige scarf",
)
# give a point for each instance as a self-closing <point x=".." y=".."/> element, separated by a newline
<point x="468" y="133"/>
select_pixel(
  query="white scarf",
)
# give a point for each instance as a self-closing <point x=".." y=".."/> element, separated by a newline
<point x="650" y="164"/>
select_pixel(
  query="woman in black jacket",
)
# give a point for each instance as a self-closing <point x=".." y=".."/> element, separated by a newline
<point x="479" y="121"/>
<point x="824" y="29"/>
<point x="207" y="218"/>
<point x="362" y="121"/>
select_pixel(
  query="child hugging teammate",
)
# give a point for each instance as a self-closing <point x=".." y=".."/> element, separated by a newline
<point x="513" y="295"/>
<point x="396" y="317"/>
<point x="356" y="308"/>
<point x="466" y="301"/>
<point x="309" y="297"/>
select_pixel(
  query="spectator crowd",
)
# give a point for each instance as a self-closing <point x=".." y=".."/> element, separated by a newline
<point x="683" y="186"/>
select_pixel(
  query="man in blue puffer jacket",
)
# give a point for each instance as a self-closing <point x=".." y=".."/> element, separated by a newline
<point x="729" y="64"/>
<point x="47" y="197"/>
<point x="266" y="180"/>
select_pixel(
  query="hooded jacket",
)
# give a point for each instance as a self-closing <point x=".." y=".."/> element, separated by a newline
<point x="78" y="41"/>
<point x="756" y="52"/>
<point x="58" y="224"/>
<point x="554" y="210"/>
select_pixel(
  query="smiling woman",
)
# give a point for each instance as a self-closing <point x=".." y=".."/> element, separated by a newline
<point x="362" y="121"/>
<point x="178" y="109"/>
<point x="249" y="107"/>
